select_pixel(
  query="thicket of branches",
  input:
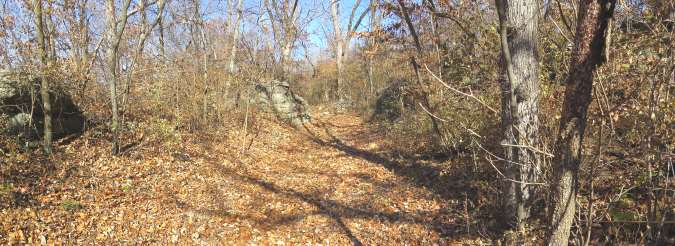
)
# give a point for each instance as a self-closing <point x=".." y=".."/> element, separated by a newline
<point x="194" y="63"/>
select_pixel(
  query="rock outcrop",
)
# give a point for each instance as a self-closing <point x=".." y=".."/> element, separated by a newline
<point x="277" y="97"/>
<point x="21" y="104"/>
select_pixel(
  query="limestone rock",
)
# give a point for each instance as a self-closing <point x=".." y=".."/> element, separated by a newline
<point x="277" y="97"/>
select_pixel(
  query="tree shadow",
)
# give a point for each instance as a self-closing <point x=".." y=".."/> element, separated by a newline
<point x="337" y="211"/>
<point x="460" y="183"/>
<point x="22" y="181"/>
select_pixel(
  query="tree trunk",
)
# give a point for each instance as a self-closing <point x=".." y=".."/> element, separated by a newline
<point x="114" y="33"/>
<point x="520" y="105"/>
<point x="286" y="59"/>
<point x="50" y="33"/>
<point x="339" y="46"/>
<point x="145" y="31"/>
<point x="233" y="48"/>
<point x="44" y="83"/>
<point x="416" y="68"/>
<point x="162" y="50"/>
<point x="82" y="40"/>
<point x="283" y="20"/>
<point x="338" y="62"/>
<point x="374" y="27"/>
<point x="592" y="21"/>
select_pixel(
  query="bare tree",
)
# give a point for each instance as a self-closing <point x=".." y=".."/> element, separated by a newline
<point x="44" y="83"/>
<point x="520" y="105"/>
<point x="342" y="40"/>
<point x="79" y="36"/>
<point x="592" y="21"/>
<point x="424" y="93"/>
<point x="233" y="45"/>
<point x="143" y="35"/>
<point x="283" y="19"/>
<point x="115" y="26"/>
<point x="375" y="19"/>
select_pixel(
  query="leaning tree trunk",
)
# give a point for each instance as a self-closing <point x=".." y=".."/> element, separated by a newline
<point x="416" y="68"/>
<point x="520" y="105"/>
<point x="593" y="18"/>
<point x="44" y="83"/>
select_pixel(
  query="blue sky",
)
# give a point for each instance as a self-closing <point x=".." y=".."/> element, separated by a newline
<point x="318" y="28"/>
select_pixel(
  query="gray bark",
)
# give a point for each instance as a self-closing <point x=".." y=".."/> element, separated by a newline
<point x="343" y="38"/>
<point x="520" y="105"/>
<point x="114" y="31"/>
<point x="44" y="83"/>
<point x="339" y="45"/>
<point x="283" y="20"/>
<point x="233" y="47"/>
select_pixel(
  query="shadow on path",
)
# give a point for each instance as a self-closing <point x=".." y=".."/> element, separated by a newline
<point x="459" y="184"/>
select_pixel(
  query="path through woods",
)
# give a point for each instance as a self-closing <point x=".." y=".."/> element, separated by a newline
<point x="329" y="184"/>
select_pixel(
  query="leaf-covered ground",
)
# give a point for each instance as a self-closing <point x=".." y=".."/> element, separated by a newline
<point x="328" y="184"/>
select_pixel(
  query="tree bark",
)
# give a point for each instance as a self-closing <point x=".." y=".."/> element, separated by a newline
<point x="592" y="22"/>
<point x="114" y="33"/>
<point x="44" y="83"/>
<point x="339" y="46"/>
<point x="375" y="27"/>
<point x="233" y="47"/>
<point x="286" y="16"/>
<point x="343" y="38"/>
<point x="520" y="105"/>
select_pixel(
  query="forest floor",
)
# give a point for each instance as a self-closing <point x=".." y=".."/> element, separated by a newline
<point x="332" y="183"/>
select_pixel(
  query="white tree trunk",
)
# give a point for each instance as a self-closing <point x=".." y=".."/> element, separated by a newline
<point x="339" y="45"/>
<point x="233" y="48"/>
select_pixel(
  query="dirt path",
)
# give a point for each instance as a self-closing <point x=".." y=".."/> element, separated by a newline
<point x="328" y="184"/>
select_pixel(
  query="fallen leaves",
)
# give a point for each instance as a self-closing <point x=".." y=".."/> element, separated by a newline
<point x="288" y="188"/>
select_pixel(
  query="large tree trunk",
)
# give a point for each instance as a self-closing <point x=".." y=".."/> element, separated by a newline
<point x="592" y="23"/>
<point x="520" y="105"/>
<point x="286" y="60"/>
<point x="44" y="83"/>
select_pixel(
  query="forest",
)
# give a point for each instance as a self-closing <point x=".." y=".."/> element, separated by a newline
<point x="337" y="122"/>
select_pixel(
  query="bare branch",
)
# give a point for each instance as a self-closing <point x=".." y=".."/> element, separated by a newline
<point x="458" y="91"/>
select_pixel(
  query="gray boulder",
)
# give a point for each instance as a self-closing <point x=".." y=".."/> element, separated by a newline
<point x="277" y="97"/>
<point x="21" y="102"/>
